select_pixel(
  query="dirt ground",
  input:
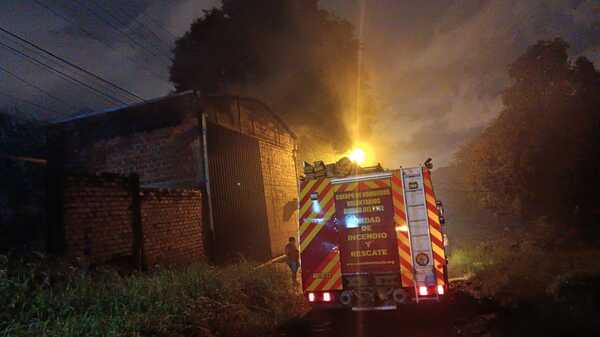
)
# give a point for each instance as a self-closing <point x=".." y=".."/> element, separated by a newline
<point x="460" y="316"/>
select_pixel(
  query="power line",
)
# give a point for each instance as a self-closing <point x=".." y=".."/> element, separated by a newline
<point x="158" y="24"/>
<point x="107" y="97"/>
<point x="71" y="64"/>
<point x="37" y="87"/>
<point x="134" y="41"/>
<point x="28" y="102"/>
<point x="122" y="23"/>
<point x="91" y="35"/>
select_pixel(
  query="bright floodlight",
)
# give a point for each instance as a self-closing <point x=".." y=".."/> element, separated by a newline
<point x="358" y="156"/>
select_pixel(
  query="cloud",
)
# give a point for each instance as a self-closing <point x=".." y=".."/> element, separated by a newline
<point x="120" y="49"/>
<point x="439" y="68"/>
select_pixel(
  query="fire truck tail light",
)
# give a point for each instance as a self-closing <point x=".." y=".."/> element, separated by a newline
<point x="440" y="290"/>
<point x="423" y="291"/>
<point x="311" y="297"/>
<point x="326" y="297"/>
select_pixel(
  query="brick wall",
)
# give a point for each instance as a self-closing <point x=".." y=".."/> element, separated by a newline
<point x="281" y="194"/>
<point x="161" y="142"/>
<point x="97" y="216"/>
<point x="100" y="215"/>
<point x="165" y="157"/>
<point x="171" y="220"/>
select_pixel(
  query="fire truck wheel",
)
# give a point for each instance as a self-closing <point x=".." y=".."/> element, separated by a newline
<point x="346" y="298"/>
<point x="400" y="296"/>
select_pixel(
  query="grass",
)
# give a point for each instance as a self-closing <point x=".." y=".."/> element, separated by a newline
<point x="504" y="269"/>
<point x="541" y="288"/>
<point x="53" y="298"/>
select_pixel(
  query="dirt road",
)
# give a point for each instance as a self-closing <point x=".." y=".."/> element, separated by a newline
<point x="460" y="316"/>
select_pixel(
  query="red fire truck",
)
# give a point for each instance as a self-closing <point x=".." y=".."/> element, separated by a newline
<point x="370" y="239"/>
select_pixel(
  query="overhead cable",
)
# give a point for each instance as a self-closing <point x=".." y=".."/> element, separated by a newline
<point x="107" y="97"/>
<point x="123" y="23"/>
<point x="124" y="33"/>
<point x="92" y="36"/>
<point x="19" y="78"/>
<point x="44" y="108"/>
<point x="107" y="82"/>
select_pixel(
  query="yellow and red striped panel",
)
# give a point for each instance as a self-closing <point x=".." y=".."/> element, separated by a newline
<point x="369" y="185"/>
<point x="402" y="236"/>
<point x="328" y="275"/>
<point x="312" y="222"/>
<point x="435" y="229"/>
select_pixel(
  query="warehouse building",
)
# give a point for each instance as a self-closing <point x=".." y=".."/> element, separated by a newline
<point x="235" y="150"/>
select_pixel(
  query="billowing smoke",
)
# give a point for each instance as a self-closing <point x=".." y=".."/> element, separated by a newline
<point x="302" y="61"/>
<point x="437" y="68"/>
<point x="440" y="67"/>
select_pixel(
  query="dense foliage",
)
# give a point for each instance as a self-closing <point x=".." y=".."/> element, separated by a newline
<point x="541" y="156"/>
<point x="533" y="290"/>
<point x="41" y="297"/>
<point x="22" y="196"/>
<point x="298" y="58"/>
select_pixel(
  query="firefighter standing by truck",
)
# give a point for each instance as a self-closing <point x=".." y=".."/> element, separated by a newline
<point x="293" y="259"/>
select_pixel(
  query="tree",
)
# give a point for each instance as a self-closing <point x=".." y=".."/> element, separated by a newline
<point x="541" y="156"/>
<point x="22" y="196"/>
<point x="298" y="58"/>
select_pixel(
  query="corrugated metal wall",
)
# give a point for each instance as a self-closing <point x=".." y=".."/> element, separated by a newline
<point x="237" y="194"/>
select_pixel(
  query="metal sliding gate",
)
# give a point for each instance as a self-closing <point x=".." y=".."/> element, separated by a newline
<point x="237" y="195"/>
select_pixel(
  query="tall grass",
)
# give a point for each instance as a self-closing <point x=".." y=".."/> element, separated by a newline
<point x="505" y="269"/>
<point x="56" y="299"/>
<point x="542" y="289"/>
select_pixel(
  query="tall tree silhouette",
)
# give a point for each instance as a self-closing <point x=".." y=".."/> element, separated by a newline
<point x="298" y="58"/>
<point x="541" y="156"/>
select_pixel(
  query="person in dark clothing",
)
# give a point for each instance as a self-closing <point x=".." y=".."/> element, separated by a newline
<point x="293" y="258"/>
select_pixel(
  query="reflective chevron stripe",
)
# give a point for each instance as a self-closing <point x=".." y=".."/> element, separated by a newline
<point x="402" y="231"/>
<point x="435" y="229"/>
<point x="326" y="276"/>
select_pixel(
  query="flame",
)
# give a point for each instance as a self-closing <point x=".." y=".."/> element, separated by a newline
<point x="362" y="154"/>
<point x="358" y="156"/>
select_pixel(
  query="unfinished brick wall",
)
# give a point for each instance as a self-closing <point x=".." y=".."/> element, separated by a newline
<point x="158" y="140"/>
<point x="279" y="177"/>
<point x="97" y="216"/>
<point x="100" y="214"/>
<point x="161" y="141"/>
<point x="171" y="221"/>
<point x="164" y="157"/>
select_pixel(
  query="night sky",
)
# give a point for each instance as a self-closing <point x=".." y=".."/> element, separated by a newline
<point x="438" y="67"/>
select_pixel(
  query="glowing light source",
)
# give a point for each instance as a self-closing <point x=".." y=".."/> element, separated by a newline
<point x="352" y="221"/>
<point x="440" y="290"/>
<point x="423" y="291"/>
<point x="316" y="207"/>
<point x="326" y="297"/>
<point x="311" y="297"/>
<point x="358" y="156"/>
